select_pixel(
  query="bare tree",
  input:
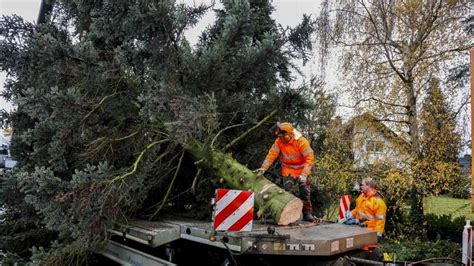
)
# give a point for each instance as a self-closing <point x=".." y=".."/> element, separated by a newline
<point x="390" y="51"/>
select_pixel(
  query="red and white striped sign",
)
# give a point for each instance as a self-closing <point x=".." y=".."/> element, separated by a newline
<point x="233" y="210"/>
<point x="344" y="205"/>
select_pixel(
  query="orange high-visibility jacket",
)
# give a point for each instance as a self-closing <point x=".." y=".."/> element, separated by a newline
<point x="297" y="157"/>
<point x="373" y="208"/>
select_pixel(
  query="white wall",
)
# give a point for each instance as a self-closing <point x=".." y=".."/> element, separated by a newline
<point x="391" y="153"/>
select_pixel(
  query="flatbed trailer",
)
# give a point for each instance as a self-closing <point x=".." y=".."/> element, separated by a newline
<point x="322" y="241"/>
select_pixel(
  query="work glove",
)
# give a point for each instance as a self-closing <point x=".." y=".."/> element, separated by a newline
<point x="289" y="184"/>
<point x="351" y="221"/>
<point x="348" y="215"/>
<point x="303" y="178"/>
<point x="260" y="172"/>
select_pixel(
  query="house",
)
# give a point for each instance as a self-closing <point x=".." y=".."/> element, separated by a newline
<point x="465" y="164"/>
<point x="374" y="143"/>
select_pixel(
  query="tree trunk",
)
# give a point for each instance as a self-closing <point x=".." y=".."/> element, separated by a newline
<point x="416" y="198"/>
<point x="270" y="199"/>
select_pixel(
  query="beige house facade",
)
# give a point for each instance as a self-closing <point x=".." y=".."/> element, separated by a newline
<point x="374" y="143"/>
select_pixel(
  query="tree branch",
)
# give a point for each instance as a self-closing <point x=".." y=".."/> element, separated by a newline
<point x="220" y="132"/>
<point x="387" y="53"/>
<point x="372" y="98"/>
<point x="99" y="104"/>
<point x="138" y="160"/>
<point x="250" y="130"/>
<point x="170" y="187"/>
<point x="466" y="102"/>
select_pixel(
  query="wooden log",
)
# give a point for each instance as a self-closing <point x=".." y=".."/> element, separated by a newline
<point x="270" y="199"/>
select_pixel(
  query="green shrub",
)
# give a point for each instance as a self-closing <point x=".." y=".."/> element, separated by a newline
<point x="417" y="250"/>
<point x="11" y="259"/>
<point x="324" y="202"/>
<point x="18" y="238"/>
<point x="460" y="190"/>
<point x="444" y="227"/>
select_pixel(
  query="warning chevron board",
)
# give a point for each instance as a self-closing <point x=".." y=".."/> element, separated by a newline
<point x="233" y="210"/>
<point x="344" y="205"/>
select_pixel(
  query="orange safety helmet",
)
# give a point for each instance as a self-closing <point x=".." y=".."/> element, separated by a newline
<point x="284" y="127"/>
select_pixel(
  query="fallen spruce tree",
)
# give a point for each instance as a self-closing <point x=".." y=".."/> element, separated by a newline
<point x="110" y="97"/>
<point x="270" y="199"/>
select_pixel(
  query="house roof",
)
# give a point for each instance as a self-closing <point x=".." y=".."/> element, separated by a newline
<point x="378" y="125"/>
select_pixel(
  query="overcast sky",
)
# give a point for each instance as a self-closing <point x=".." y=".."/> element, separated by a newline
<point x="287" y="13"/>
<point x="28" y="9"/>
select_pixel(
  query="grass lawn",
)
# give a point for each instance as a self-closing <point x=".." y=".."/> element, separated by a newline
<point x="435" y="204"/>
<point x="445" y="205"/>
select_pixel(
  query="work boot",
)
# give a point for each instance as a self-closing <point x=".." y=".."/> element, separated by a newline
<point x="308" y="217"/>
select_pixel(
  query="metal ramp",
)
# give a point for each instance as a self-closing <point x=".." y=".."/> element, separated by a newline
<point x="153" y="234"/>
<point x="124" y="255"/>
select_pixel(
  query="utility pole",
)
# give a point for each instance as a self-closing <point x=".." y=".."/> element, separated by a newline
<point x="472" y="128"/>
<point x="471" y="52"/>
<point x="45" y="11"/>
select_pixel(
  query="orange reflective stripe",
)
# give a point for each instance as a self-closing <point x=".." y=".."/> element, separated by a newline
<point x="271" y="156"/>
<point x="308" y="154"/>
<point x="300" y="166"/>
<point x="307" y="151"/>
<point x="276" y="147"/>
<point x="286" y="156"/>
<point x="265" y="165"/>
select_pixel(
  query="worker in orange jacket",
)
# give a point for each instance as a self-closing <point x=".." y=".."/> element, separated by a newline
<point x="370" y="209"/>
<point x="297" y="159"/>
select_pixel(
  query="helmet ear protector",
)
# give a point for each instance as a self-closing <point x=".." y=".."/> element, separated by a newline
<point x="275" y="129"/>
<point x="281" y="128"/>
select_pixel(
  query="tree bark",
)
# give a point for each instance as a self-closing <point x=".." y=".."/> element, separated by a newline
<point x="270" y="199"/>
<point x="416" y="198"/>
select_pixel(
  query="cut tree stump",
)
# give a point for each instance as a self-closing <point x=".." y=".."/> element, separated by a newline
<point x="270" y="199"/>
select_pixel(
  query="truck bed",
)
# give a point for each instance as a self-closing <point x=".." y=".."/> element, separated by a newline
<point x="303" y="239"/>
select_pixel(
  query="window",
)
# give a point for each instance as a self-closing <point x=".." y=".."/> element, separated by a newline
<point x="374" y="146"/>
